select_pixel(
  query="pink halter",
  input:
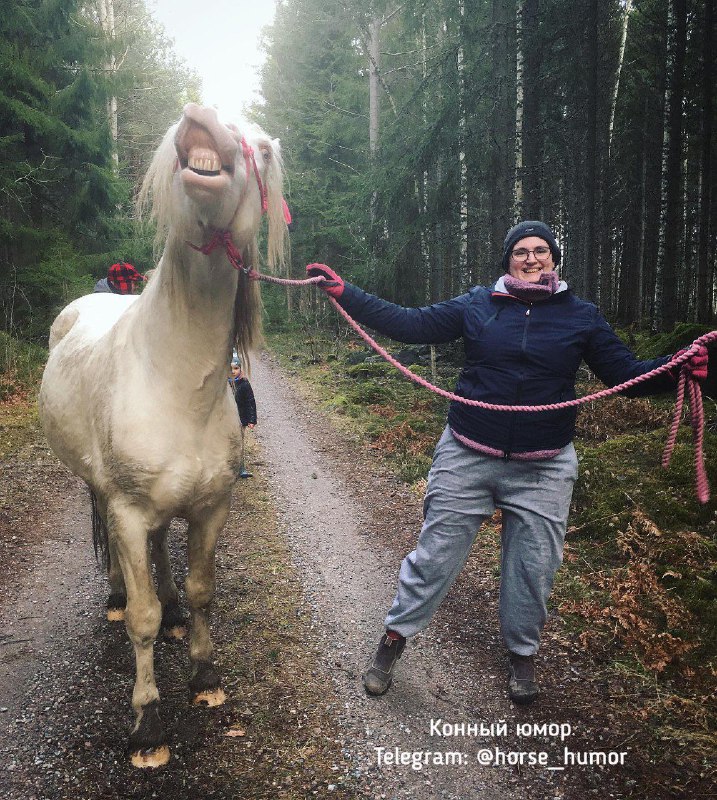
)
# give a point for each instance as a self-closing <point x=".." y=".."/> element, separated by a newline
<point x="250" y="161"/>
<point x="223" y="238"/>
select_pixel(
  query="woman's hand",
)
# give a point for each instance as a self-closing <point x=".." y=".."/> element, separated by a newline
<point x="696" y="364"/>
<point x="332" y="284"/>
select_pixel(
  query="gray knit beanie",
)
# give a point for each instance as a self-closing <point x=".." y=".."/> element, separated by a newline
<point x="529" y="228"/>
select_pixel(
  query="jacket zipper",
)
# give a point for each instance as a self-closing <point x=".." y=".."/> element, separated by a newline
<point x="519" y="392"/>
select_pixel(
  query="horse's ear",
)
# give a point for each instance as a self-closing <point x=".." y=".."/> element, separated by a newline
<point x="278" y="241"/>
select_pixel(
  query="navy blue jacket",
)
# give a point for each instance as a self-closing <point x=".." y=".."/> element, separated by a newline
<point x="516" y="353"/>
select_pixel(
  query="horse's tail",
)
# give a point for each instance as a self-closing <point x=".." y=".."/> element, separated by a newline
<point x="99" y="535"/>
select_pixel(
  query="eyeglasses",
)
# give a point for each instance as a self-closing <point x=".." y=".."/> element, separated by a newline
<point x="521" y="254"/>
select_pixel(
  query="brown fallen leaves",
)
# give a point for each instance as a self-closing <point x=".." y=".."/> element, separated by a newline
<point x="643" y="615"/>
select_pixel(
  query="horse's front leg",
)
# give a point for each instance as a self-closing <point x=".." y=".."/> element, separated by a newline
<point x="174" y="622"/>
<point x="204" y="529"/>
<point x="128" y="531"/>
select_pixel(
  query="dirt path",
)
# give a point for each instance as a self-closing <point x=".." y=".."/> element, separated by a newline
<point x="291" y="666"/>
<point x="349" y="578"/>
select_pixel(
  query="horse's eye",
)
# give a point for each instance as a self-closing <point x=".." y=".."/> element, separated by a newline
<point x="266" y="155"/>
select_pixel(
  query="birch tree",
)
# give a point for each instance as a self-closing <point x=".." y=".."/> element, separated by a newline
<point x="107" y="21"/>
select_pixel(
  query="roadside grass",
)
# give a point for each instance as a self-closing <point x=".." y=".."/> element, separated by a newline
<point x="21" y="367"/>
<point x="638" y="589"/>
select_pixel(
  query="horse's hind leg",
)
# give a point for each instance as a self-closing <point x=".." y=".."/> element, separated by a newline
<point x="174" y="622"/>
<point x="143" y="614"/>
<point x="106" y="552"/>
<point x="204" y="530"/>
<point x="117" y="601"/>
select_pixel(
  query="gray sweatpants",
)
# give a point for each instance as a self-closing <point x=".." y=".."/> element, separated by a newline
<point x="464" y="489"/>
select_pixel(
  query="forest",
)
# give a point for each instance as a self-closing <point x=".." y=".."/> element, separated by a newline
<point x="87" y="89"/>
<point x="414" y="134"/>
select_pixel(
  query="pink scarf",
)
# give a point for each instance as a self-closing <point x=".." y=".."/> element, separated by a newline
<point x="532" y="292"/>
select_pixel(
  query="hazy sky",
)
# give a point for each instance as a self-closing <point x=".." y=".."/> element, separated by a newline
<point x="219" y="40"/>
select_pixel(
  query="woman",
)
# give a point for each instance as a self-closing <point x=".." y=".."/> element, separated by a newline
<point x="524" y="341"/>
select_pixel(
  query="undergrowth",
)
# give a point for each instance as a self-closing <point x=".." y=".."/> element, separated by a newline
<point x="638" y="589"/>
<point x="368" y="398"/>
<point x="21" y="366"/>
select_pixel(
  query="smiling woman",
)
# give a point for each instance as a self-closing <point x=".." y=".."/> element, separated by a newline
<point x="525" y="338"/>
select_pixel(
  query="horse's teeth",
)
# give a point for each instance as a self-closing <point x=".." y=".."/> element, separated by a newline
<point x="204" y="160"/>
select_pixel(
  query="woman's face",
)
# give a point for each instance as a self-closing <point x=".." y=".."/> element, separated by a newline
<point x="531" y="266"/>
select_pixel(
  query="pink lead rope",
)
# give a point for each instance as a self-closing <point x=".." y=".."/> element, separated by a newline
<point x="686" y="384"/>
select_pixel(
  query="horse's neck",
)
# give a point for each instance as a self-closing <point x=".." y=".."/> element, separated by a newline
<point x="186" y="324"/>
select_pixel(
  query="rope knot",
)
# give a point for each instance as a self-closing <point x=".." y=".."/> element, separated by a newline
<point x="223" y="239"/>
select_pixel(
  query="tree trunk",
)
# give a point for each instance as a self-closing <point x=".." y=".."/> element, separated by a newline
<point x="519" y="92"/>
<point x="704" y="294"/>
<point x="618" y="71"/>
<point x="653" y="135"/>
<point x="464" y="268"/>
<point x="590" y="261"/>
<point x="107" y="20"/>
<point x="373" y="84"/>
<point x="502" y="125"/>
<point x="611" y="301"/>
<point x="672" y="247"/>
<point x="531" y="48"/>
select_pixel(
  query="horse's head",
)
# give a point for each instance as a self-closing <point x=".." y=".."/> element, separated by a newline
<point x="210" y="176"/>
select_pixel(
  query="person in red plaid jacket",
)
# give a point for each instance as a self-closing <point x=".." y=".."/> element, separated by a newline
<point x="122" y="278"/>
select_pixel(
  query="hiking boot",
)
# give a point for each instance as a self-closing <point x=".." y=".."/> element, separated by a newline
<point x="378" y="677"/>
<point x="522" y="687"/>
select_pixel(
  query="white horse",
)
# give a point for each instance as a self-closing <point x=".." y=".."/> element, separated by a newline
<point x="135" y="399"/>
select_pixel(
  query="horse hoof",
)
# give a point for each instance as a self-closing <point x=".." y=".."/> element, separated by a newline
<point x="150" y="759"/>
<point x="174" y="622"/>
<point x="177" y="632"/>
<point x="116" y="603"/>
<point x="211" y="698"/>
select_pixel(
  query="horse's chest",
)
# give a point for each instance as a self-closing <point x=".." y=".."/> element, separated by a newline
<point x="177" y="473"/>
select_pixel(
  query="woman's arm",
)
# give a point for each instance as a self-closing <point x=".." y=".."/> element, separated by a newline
<point x="435" y="324"/>
<point x="613" y="362"/>
<point x="441" y="322"/>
